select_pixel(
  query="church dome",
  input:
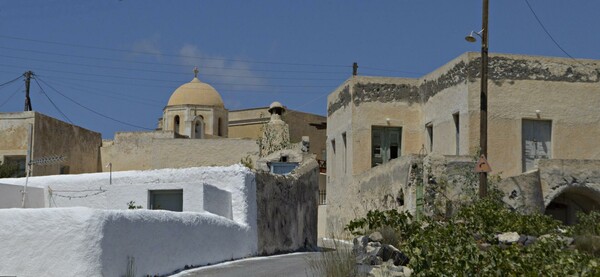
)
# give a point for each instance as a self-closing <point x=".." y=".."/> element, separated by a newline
<point x="196" y="93"/>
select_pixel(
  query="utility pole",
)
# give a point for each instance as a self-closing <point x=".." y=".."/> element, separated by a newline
<point x="27" y="75"/>
<point x="483" y="187"/>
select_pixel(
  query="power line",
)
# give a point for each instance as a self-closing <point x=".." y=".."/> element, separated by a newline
<point x="52" y="102"/>
<point x="547" y="33"/>
<point x="167" y="72"/>
<point x="93" y="111"/>
<point x="6" y="83"/>
<point x="392" y="70"/>
<point x="171" y="81"/>
<point x="12" y="95"/>
<point x="88" y="90"/>
<point x="170" y="55"/>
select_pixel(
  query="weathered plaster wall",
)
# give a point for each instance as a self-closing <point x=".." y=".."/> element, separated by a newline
<point x="558" y="176"/>
<point x="79" y="146"/>
<point x="524" y="192"/>
<point x="383" y="187"/>
<point x="139" y="151"/>
<point x="287" y="209"/>
<point x="572" y="108"/>
<point x="13" y="133"/>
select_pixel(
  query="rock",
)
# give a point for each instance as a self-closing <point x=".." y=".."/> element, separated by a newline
<point x="389" y="252"/>
<point x="374" y="244"/>
<point x="359" y="244"/>
<point x="508" y="237"/>
<point x="527" y="240"/>
<point x="387" y="270"/>
<point x="565" y="240"/>
<point x="484" y="246"/>
<point x="373" y="251"/>
<point x="376" y="236"/>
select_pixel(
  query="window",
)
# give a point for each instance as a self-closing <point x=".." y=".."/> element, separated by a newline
<point x="170" y="200"/>
<point x="322" y="197"/>
<point x="332" y="163"/>
<point x="536" y="142"/>
<point x="457" y="128"/>
<point x="64" y="169"/>
<point x="19" y="161"/>
<point x="219" y="131"/>
<point x="385" y="144"/>
<point x="345" y="157"/>
<point x="429" y="127"/>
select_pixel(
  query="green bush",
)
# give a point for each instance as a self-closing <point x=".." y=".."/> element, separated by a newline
<point x="464" y="245"/>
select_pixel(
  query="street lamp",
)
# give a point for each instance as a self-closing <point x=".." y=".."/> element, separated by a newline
<point x="483" y="34"/>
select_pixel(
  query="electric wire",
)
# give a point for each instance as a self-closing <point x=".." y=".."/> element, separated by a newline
<point x="167" y="72"/>
<point x="52" y="102"/>
<point x="171" y="81"/>
<point x="6" y="83"/>
<point x="547" y="32"/>
<point x="96" y="92"/>
<point x="91" y="110"/>
<point x="210" y="67"/>
<point x="12" y="95"/>
<point x="171" y="55"/>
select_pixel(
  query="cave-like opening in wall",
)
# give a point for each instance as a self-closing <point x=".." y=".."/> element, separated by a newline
<point x="569" y="202"/>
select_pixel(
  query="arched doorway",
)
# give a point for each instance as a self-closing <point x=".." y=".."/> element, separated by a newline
<point x="570" y="201"/>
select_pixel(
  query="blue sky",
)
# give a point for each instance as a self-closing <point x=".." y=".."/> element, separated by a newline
<point x="123" y="59"/>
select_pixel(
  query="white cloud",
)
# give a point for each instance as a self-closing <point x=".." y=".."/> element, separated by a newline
<point x="148" y="45"/>
<point x="229" y="74"/>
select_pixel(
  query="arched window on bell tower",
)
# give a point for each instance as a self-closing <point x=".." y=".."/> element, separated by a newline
<point x="198" y="127"/>
<point x="176" y="124"/>
<point x="219" y="128"/>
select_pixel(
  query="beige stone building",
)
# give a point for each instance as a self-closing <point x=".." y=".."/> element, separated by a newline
<point x="50" y="137"/>
<point x="539" y="108"/>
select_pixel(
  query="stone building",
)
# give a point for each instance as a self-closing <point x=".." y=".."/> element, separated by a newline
<point x="538" y="108"/>
<point x="50" y="137"/>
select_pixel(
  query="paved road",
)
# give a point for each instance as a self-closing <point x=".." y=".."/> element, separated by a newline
<point x="288" y="265"/>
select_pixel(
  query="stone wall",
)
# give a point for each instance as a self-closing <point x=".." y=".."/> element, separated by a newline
<point x="533" y="191"/>
<point x="287" y="209"/>
<point x="140" y="151"/>
<point x="383" y="187"/>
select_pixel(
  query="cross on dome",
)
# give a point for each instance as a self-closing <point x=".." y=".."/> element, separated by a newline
<point x="196" y="72"/>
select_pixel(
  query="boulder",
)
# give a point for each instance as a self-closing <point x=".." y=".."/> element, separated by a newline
<point x="376" y="236"/>
<point x="390" y="252"/>
<point x="359" y="244"/>
<point x="527" y="240"/>
<point x="508" y="237"/>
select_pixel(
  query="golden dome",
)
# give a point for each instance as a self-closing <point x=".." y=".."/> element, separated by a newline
<point x="196" y="93"/>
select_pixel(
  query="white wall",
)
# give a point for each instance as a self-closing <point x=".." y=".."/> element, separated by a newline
<point x="94" y="191"/>
<point x="90" y="242"/>
<point x="11" y="197"/>
<point x="78" y="241"/>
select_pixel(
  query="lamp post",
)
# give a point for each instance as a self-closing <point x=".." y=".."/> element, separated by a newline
<point x="483" y="34"/>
